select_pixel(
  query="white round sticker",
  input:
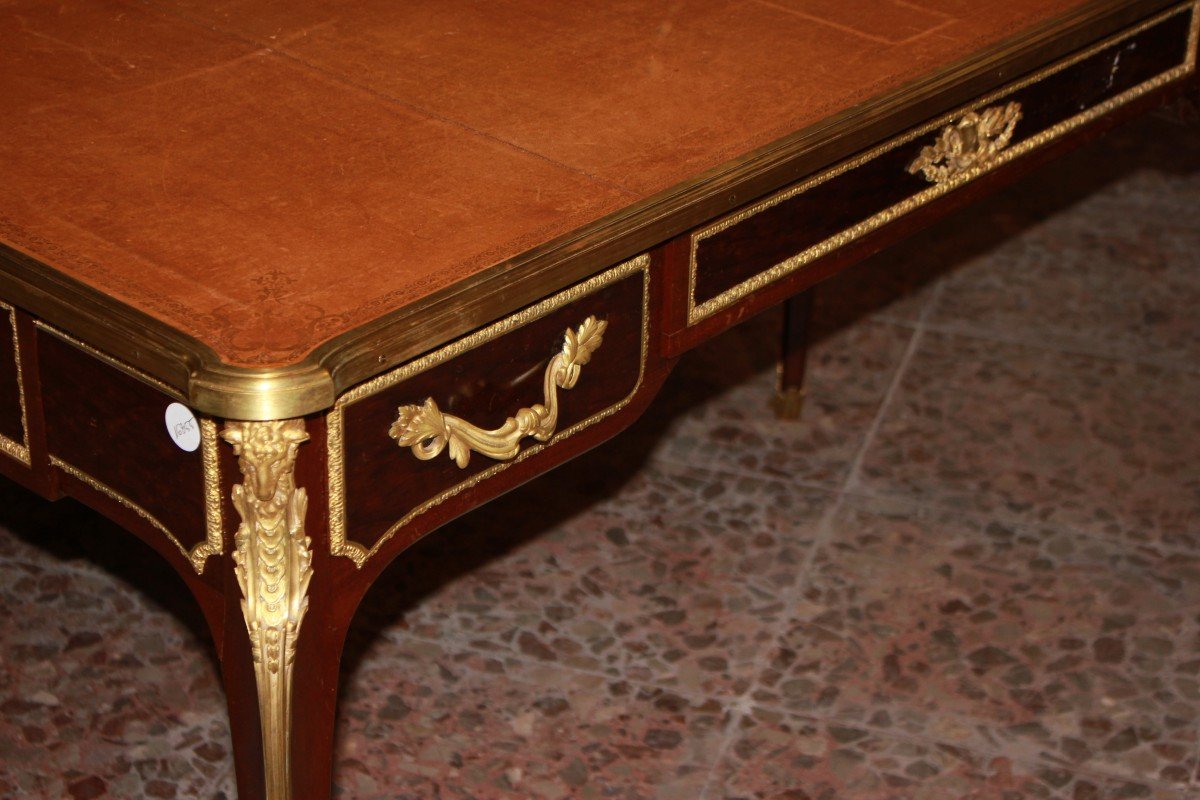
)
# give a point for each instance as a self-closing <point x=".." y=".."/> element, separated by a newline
<point x="182" y="425"/>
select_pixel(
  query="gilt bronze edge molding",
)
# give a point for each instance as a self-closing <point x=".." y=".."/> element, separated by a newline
<point x="157" y="353"/>
<point x="11" y="447"/>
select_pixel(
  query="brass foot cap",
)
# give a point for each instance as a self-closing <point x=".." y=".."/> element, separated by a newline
<point x="788" y="403"/>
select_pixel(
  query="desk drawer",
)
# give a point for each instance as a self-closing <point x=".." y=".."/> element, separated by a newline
<point x="751" y="248"/>
<point x="429" y="430"/>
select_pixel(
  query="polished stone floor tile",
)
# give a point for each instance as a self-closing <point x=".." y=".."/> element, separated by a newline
<point x="780" y="756"/>
<point x="1114" y="272"/>
<point x="1106" y="447"/>
<point x="727" y="386"/>
<point x="1044" y="645"/>
<point x="679" y="578"/>
<point x="423" y="720"/>
<point x="105" y="691"/>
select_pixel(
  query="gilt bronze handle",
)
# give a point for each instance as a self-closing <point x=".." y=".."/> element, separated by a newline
<point x="970" y="143"/>
<point x="427" y="431"/>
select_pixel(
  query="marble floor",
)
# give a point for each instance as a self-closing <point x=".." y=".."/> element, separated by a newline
<point x="972" y="570"/>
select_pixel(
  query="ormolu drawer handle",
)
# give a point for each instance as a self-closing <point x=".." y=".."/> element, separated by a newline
<point x="428" y="431"/>
<point x="971" y="142"/>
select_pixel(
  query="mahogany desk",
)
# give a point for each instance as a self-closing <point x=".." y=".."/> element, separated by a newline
<point x="394" y="259"/>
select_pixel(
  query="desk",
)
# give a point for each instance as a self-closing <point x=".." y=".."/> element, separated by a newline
<point x="392" y="274"/>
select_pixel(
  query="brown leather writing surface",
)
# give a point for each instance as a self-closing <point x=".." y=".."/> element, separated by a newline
<point x="265" y="176"/>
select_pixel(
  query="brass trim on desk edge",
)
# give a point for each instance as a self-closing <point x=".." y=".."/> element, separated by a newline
<point x="339" y="542"/>
<point x="11" y="447"/>
<point x="214" y="534"/>
<point x="312" y="384"/>
<point x="697" y="312"/>
<point x="214" y="542"/>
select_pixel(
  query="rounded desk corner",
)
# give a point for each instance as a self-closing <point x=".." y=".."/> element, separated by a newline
<point x="256" y="395"/>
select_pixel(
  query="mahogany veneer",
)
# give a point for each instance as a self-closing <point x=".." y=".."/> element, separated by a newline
<point x="97" y="418"/>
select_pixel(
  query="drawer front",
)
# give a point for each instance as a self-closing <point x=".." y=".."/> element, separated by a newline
<point x="431" y="429"/>
<point x="105" y="427"/>
<point x="14" y="436"/>
<point x="754" y="247"/>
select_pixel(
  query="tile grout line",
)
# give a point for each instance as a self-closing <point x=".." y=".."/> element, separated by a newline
<point x="665" y="461"/>
<point x="735" y="705"/>
<point x="824" y="532"/>
<point x="674" y="464"/>
<point x="968" y="332"/>
<point x="854" y="473"/>
<point x="916" y="505"/>
<point x="923" y="505"/>
<point x="731" y="704"/>
<point x="853" y="487"/>
<point x="728" y="703"/>
<point x="1194" y="782"/>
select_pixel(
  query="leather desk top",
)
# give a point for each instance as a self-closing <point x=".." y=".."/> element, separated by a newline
<point x="264" y="176"/>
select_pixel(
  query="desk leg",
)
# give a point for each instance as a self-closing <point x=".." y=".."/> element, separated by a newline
<point x="273" y="568"/>
<point x="314" y="697"/>
<point x="286" y="617"/>
<point x="288" y="642"/>
<point x="789" y="388"/>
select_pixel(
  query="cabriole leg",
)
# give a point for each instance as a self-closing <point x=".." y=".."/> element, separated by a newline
<point x="285" y="625"/>
<point x="273" y="567"/>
